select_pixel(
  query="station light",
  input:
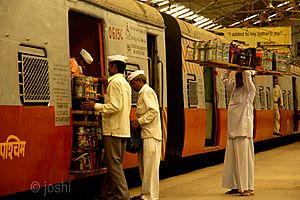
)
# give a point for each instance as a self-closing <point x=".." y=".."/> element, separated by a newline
<point x="178" y="8"/>
<point x="205" y="24"/>
<point x="217" y="27"/>
<point x="186" y="15"/>
<point x="201" y="21"/>
<point x="181" y="12"/>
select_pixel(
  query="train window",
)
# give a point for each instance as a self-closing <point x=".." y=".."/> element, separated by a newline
<point x="284" y="96"/>
<point x="268" y="98"/>
<point x="262" y="97"/>
<point x="192" y="90"/>
<point x="33" y="76"/>
<point x="227" y="96"/>
<point x="290" y="101"/>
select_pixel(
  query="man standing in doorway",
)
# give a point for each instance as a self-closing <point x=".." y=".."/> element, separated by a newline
<point x="239" y="156"/>
<point x="116" y="128"/>
<point x="78" y="62"/>
<point x="278" y="105"/>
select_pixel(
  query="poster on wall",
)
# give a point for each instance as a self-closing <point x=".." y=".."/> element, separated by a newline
<point x="61" y="94"/>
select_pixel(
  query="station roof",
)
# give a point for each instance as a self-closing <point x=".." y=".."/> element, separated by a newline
<point x="231" y="13"/>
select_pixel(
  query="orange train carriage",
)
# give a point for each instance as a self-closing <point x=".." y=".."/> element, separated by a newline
<point x="41" y="142"/>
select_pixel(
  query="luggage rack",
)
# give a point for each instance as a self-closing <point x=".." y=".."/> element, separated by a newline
<point x="226" y="65"/>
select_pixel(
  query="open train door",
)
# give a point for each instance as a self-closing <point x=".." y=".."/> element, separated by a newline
<point x="210" y="103"/>
<point x="86" y="32"/>
<point x="296" y="94"/>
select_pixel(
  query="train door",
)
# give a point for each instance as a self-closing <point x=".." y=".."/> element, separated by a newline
<point x="210" y="106"/>
<point x="85" y="32"/>
<point x="152" y="64"/>
<point x="295" y="103"/>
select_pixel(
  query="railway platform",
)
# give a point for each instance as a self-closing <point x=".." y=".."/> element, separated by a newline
<point x="277" y="177"/>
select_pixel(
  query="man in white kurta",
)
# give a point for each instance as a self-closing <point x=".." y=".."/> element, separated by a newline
<point x="278" y="104"/>
<point x="116" y="128"/>
<point x="239" y="156"/>
<point x="148" y="117"/>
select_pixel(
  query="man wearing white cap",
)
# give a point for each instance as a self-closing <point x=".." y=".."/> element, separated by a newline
<point x="116" y="128"/>
<point x="80" y="61"/>
<point x="148" y="117"/>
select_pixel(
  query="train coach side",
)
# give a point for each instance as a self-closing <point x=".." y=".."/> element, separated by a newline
<point x="39" y="37"/>
<point x="37" y="40"/>
<point x="35" y="100"/>
<point x="200" y="123"/>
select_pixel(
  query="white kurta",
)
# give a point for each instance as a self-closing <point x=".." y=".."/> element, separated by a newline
<point x="239" y="155"/>
<point x="148" y="115"/>
<point x="116" y="107"/>
<point x="277" y="97"/>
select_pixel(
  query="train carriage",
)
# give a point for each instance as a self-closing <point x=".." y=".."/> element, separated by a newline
<point x="38" y="39"/>
<point x="37" y="104"/>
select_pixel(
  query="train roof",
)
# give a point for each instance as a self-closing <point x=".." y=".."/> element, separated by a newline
<point x="131" y="9"/>
<point x="196" y="33"/>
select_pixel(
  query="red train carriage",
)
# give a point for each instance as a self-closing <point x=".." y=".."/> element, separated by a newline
<point x="47" y="139"/>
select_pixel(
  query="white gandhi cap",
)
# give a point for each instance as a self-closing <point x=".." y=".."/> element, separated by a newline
<point x="135" y="74"/>
<point x="86" y="56"/>
<point x="117" y="58"/>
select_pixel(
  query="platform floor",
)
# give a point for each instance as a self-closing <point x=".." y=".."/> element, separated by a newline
<point x="277" y="177"/>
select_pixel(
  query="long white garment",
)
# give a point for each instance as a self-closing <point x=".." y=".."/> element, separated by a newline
<point x="276" y="118"/>
<point x="148" y="115"/>
<point x="149" y="160"/>
<point x="116" y="107"/>
<point x="239" y="155"/>
<point x="277" y="95"/>
<point x="278" y="102"/>
<point x="239" y="164"/>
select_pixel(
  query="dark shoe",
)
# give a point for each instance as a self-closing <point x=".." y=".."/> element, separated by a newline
<point x="233" y="191"/>
<point x="135" y="198"/>
<point x="277" y="134"/>
<point x="245" y="193"/>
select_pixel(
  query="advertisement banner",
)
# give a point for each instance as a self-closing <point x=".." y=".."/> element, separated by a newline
<point x="271" y="36"/>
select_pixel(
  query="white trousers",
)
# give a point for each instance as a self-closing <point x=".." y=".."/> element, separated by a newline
<point x="149" y="160"/>
<point x="276" y="118"/>
<point x="239" y="164"/>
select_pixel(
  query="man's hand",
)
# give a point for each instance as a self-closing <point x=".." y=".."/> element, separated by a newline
<point x="135" y="123"/>
<point x="103" y="80"/>
<point x="88" y="105"/>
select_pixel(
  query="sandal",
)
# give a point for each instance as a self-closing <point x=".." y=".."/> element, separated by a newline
<point x="233" y="191"/>
<point x="251" y="192"/>
<point x="245" y="193"/>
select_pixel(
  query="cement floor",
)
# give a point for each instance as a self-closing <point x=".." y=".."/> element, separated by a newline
<point x="277" y="177"/>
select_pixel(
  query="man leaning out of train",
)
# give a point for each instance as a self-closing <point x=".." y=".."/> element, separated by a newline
<point x="79" y="62"/>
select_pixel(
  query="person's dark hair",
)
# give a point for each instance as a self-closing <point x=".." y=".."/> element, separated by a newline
<point x="239" y="75"/>
<point x="120" y="66"/>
